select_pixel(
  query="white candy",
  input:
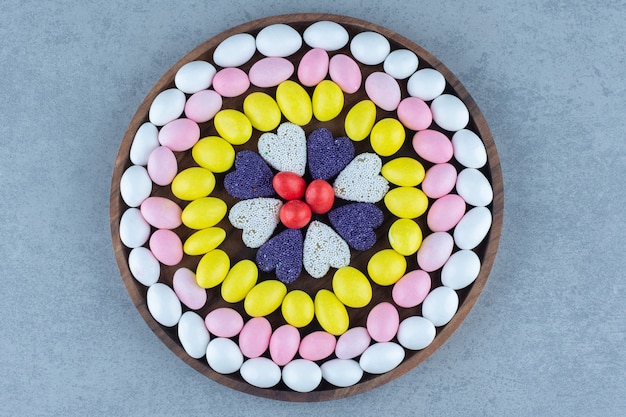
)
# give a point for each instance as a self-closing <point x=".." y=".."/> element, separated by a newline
<point x="472" y="228"/>
<point x="474" y="187"/>
<point x="257" y="217"/>
<point x="260" y="372"/>
<point x="401" y="63"/>
<point x="302" y="375"/>
<point x="370" y="48"/>
<point x="193" y="334"/>
<point x="223" y="356"/>
<point x="440" y="305"/>
<point x="361" y="181"/>
<point x="145" y="141"/>
<point x="380" y="358"/>
<point x="163" y="304"/>
<point x="327" y="35"/>
<point x="134" y="229"/>
<point x="144" y="266"/>
<point x="426" y="84"/>
<point x="342" y="372"/>
<point x="449" y="112"/>
<point x="286" y="149"/>
<point x="416" y="333"/>
<point x="278" y="40"/>
<point x="461" y="269"/>
<point x="194" y="76"/>
<point x="323" y="248"/>
<point x="235" y="50"/>
<point x="469" y="150"/>
<point x="135" y="185"/>
<point x="168" y="105"/>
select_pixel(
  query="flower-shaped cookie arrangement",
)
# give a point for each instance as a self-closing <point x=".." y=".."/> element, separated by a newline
<point x="321" y="158"/>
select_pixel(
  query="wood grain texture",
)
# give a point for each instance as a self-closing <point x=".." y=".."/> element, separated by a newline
<point x="233" y="246"/>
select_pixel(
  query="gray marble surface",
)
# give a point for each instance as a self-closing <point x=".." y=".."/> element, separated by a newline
<point x="548" y="335"/>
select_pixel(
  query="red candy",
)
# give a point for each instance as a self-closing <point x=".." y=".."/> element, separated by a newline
<point x="289" y="185"/>
<point x="295" y="214"/>
<point x="320" y="196"/>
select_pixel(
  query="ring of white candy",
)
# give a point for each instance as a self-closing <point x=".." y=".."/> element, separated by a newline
<point x="416" y="332"/>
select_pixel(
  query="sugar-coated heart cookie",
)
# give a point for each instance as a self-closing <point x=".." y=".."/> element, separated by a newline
<point x="257" y="217"/>
<point x="251" y="178"/>
<point x="282" y="254"/>
<point x="356" y="224"/>
<point x="323" y="249"/>
<point x="327" y="155"/>
<point x="286" y="149"/>
<point x="361" y="180"/>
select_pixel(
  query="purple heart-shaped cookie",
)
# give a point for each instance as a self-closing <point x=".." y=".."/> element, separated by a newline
<point x="327" y="156"/>
<point x="251" y="178"/>
<point x="282" y="254"/>
<point x="356" y="224"/>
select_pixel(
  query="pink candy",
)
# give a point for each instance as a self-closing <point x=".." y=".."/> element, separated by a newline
<point x="284" y="344"/>
<point x="383" y="322"/>
<point x="166" y="247"/>
<point x="162" y="166"/>
<point x="383" y="90"/>
<point x="352" y="343"/>
<point x="445" y="213"/>
<point x="435" y="251"/>
<point x="414" y="113"/>
<point x="231" y="82"/>
<point x="161" y="212"/>
<point x="269" y="72"/>
<point x="254" y="338"/>
<point x="224" y="322"/>
<point x="180" y="134"/>
<point x="345" y="72"/>
<point x="439" y="180"/>
<point x="411" y="289"/>
<point x="203" y="105"/>
<point x="187" y="289"/>
<point x="314" y="67"/>
<point x="317" y="346"/>
<point x="433" y="146"/>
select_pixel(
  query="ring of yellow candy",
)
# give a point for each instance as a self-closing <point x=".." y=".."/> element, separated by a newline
<point x="351" y="287"/>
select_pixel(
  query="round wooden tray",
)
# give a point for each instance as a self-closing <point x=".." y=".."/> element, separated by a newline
<point x="325" y="391"/>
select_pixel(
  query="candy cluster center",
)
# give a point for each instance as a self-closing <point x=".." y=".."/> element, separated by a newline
<point x="318" y="198"/>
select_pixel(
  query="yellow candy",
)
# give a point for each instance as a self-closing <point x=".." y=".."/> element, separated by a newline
<point x="387" y="137"/>
<point x="352" y="287"/>
<point x="298" y="308"/>
<point x="204" y="241"/>
<point x="406" y="202"/>
<point x="264" y="298"/>
<point x="214" y="154"/>
<point x="212" y="268"/>
<point x="233" y="126"/>
<point x="405" y="236"/>
<point x="262" y="111"/>
<point x="386" y="267"/>
<point x="331" y="314"/>
<point x="327" y="101"/>
<point x="360" y="120"/>
<point x="294" y="102"/>
<point x="204" y="212"/>
<point x="405" y="171"/>
<point x="239" y="281"/>
<point x="193" y="183"/>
